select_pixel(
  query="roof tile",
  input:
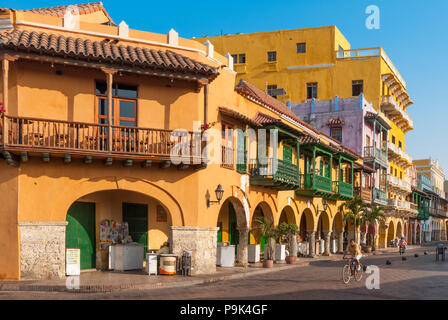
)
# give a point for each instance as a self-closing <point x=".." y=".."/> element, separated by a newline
<point x="84" y="48"/>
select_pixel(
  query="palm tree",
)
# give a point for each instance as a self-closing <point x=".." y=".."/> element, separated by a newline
<point x="372" y="215"/>
<point x="270" y="234"/>
<point x="353" y="212"/>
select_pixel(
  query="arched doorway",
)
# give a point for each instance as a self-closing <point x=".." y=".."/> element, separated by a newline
<point x="390" y="233"/>
<point x="418" y="236"/>
<point x="262" y="210"/>
<point x="399" y="232"/>
<point x="323" y="225"/>
<point x="228" y="223"/>
<point x="100" y="219"/>
<point x="383" y="235"/>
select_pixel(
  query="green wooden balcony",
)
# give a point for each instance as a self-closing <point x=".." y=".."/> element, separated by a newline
<point x="342" y="190"/>
<point x="273" y="173"/>
<point x="423" y="213"/>
<point x="314" y="184"/>
<point x="379" y="196"/>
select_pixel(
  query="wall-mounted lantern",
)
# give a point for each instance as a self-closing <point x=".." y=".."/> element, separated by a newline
<point x="219" y="193"/>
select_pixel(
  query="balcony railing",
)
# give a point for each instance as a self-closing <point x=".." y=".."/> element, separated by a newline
<point x="372" y="152"/>
<point x="399" y="204"/>
<point x="390" y="106"/>
<point x="379" y="195"/>
<point x="29" y="134"/>
<point x="398" y="183"/>
<point x="279" y="171"/>
<point x="343" y="188"/>
<point x="310" y="181"/>
<point x="363" y="192"/>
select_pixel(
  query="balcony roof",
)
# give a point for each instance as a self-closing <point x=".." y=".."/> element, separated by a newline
<point x="104" y="53"/>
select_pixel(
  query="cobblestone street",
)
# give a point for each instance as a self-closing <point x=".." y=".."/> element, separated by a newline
<point x="415" y="278"/>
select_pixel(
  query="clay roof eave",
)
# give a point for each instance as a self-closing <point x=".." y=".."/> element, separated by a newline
<point x="54" y="45"/>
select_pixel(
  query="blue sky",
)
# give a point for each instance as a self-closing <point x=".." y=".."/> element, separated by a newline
<point x="413" y="33"/>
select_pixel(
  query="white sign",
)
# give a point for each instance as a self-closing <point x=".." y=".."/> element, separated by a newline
<point x="73" y="262"/>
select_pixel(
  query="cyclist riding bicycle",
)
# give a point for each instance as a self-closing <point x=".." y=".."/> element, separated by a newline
<point x="402" y="244"/>
<point x="355" y="251"/>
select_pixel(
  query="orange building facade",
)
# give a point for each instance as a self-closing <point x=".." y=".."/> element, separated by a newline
<point x="94" y="112"/>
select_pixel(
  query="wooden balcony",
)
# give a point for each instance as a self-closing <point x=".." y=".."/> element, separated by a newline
<point x="379" y="197"/>
<point x="364" y="193"/>
<point x="342" y="190"/>
<point x="274" y="173"/>
<point x="315" y="185"/>
<point x="372" y="153"/>
<point x="38" y="136"/>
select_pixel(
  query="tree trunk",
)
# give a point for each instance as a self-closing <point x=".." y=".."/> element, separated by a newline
<point x="292" y="246"/>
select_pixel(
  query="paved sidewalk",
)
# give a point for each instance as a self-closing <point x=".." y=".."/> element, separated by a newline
<point x="108" y="281"/>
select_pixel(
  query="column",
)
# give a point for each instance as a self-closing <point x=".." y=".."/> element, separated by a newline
<point x="312" y="243"/>
<point x="5" y="71"/>
<point x="363" y="237"/>
<point x="327" y="236"/>
<point x="340" y="241"/>
<point x="201" y="241"/>
<point x="109" y="79"/>
<point x="242" y="255"/>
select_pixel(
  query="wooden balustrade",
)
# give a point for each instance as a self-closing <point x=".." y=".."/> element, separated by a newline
<point x="33" y="133"/>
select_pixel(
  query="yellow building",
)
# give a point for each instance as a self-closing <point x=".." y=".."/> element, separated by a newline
<point x="101" y="125"/>
<point x="319" y="63"/>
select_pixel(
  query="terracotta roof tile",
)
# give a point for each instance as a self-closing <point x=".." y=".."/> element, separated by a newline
<point x="262" y="118"/>
<point x="335" y="122"/>
<point x="59" y="11"/>
<point x="259" y="95"/>
<point x="79" y="48"/>
<point x="247" y="89"/>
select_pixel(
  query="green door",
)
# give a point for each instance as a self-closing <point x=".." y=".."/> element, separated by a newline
<point x="136" y="215"/>
<point x="233" y="231"/>
<point x="80" y="232"/>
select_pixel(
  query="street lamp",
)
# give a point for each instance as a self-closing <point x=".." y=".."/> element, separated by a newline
<point x="325" y="203"/>
<point x="219" y="192"/>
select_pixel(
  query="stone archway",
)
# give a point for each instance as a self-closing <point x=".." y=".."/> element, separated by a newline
<point x="237" y="225"/>
<point x="390" y="233"/>
<point x="399" y="233"/>
<point x="323" y="233"/>
<point x="262" y="210"/>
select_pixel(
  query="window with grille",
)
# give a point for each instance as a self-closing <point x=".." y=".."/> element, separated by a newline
<point x="336" y="133"/>
<point x="272" y="56"/>
<point x="301" y="47"/>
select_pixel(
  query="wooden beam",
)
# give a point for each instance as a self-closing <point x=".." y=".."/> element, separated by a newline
<point x="5" y="72"/>
<point x="24" y="156"/>
<point x="46" y="157"/>
<point x="67" y="158"/>
<point x="128" y="163"/>
<point x="10" y="159"/>
<point x="146" y="164"/>
<point x="108" y="161"/>
<point x="165" y="164"/>
<point x="201" y="79"/>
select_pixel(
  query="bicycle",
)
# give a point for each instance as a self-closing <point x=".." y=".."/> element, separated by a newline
<point x="402" y="250"/>
<point x="350" y="270"/>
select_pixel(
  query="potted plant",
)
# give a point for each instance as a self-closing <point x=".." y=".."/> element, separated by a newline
<point x="290" y="230"/>
<point x="270" y="234"/>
